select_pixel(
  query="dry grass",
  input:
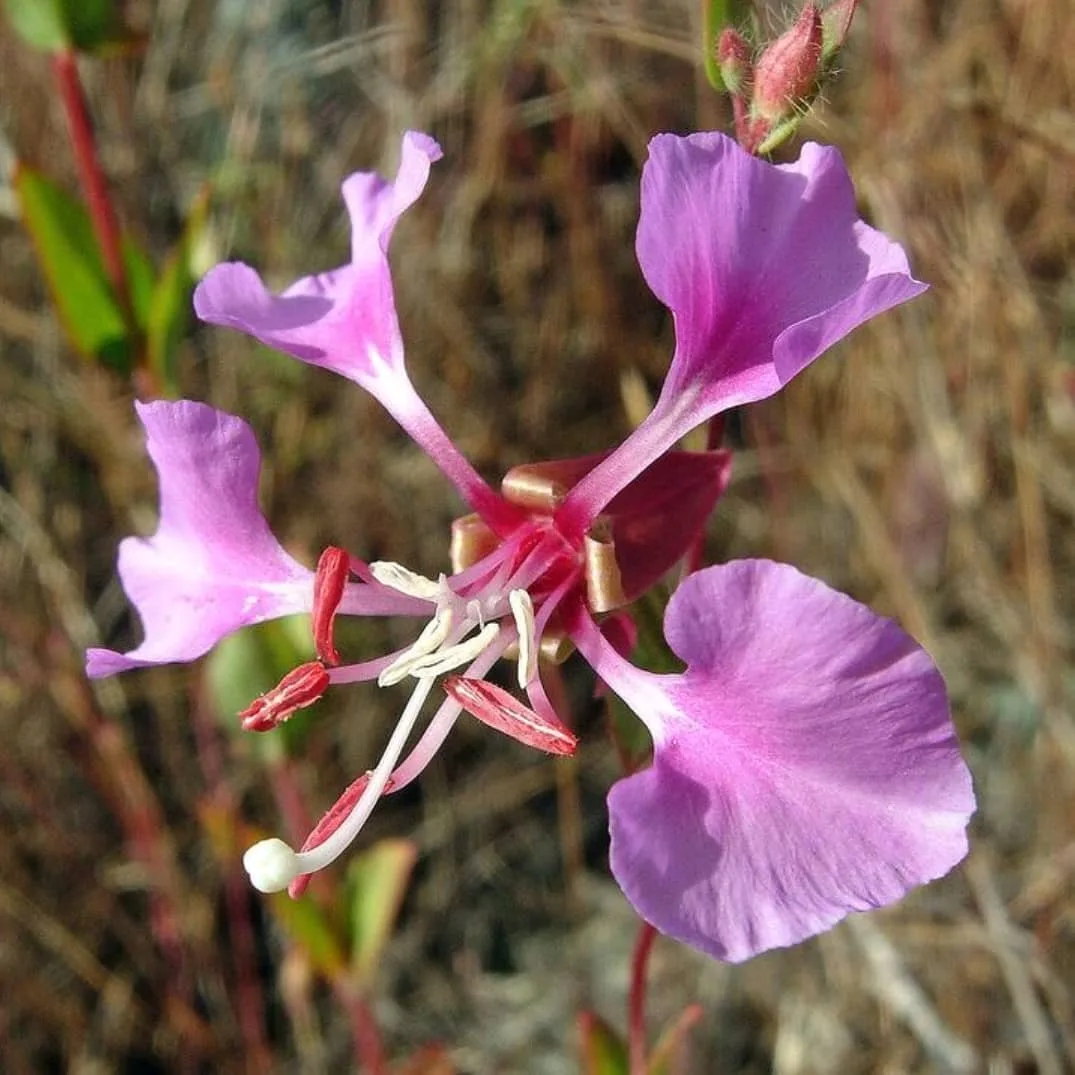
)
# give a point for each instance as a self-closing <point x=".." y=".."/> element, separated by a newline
<point x="925" y="467"/>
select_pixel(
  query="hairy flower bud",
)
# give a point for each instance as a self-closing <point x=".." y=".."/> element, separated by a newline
<point x="734" y="59"/>
<point x="835" y="24"/>
<point x="788" y="69"/>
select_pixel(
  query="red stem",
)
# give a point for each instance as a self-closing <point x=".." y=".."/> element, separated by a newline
<point x="101" y="211"/>
<point x="94" y="188"/>
<point x="369" y="1050"/>
<point x="636" y="1002"/>
<point x="249" y="1000"/>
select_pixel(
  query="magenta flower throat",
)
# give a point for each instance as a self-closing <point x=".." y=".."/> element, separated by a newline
<point x="805" y="765"/>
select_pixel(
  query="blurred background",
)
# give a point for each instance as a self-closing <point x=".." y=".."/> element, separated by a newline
<point x="924" y="466"/>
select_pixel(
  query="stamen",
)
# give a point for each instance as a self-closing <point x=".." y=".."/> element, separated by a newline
<point x="335" y="816"/>
<point x="335" y="844"/>
<point x="522" y="610"/>
<point x="301" y="687"/>
<point x="332" y="570"/>
<point x="496" y="707"/>
<point x="461" y="653"/>
<point x="432" y="638"/>
<point x="400" y="578"/>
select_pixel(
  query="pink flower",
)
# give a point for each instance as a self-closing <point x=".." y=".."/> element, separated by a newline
<point x="805" y="764"/>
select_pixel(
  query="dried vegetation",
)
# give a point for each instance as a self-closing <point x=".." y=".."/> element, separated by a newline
<point x="925" y="466"/>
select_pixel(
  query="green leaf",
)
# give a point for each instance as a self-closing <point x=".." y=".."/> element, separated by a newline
<point x="603" y="1050"/>
<point x="377" y="882"/>
<point x="668" y="1053"/>
<point x="306" y="925"/>
<point x="169" y="310"/>
<point x="57" y="25"/>
<point x="252" y="661"/>
<point x="67" y="251"/>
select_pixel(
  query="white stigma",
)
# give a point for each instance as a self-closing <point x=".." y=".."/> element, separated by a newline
<point x="401" y="578"/>
<point x="522" y="610"/>
<point x="272" y="865"/>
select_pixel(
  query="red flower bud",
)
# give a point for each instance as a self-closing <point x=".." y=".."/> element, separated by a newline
<point x="301" y="687"/>
<point x="788" y="69"/>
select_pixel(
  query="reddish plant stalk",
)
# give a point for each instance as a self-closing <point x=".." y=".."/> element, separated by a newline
<point x="369" y="1050"/>
<point x="124" y="785"/>
<point x="249" y="1000"/>
<point x="94" y="187"/>
<point x="636" y="1001"/>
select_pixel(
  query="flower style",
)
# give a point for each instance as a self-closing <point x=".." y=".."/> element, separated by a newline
<point x="805" y="765"/>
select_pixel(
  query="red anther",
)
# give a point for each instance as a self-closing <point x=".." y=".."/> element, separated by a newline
<point x="329" y="582"/>
<point x="301" y="687"/>
<point x="334" y="817"/>
<point x="494" y="706"/>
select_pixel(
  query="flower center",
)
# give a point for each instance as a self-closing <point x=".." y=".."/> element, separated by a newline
<point x="502" y="601"/>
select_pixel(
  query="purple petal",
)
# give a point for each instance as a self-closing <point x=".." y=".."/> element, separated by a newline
<point x="763" y="267"/>
<point x="805" y="764"/>
<point x="344" y="319"/>
<point x="213" y="565"/>
<point x="784" y="269"/>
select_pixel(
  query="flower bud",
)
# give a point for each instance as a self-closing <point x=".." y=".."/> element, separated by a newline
<point x="734" y="59"/>
<point x="788" y="69"/>
<point x="835" y="23"/>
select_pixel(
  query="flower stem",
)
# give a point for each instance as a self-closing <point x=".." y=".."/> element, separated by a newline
<point x="99" y="205"/>
<point x="369" y="1049"/>
<point x="94" y="188"/>
<point x="636" y="1002"/>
